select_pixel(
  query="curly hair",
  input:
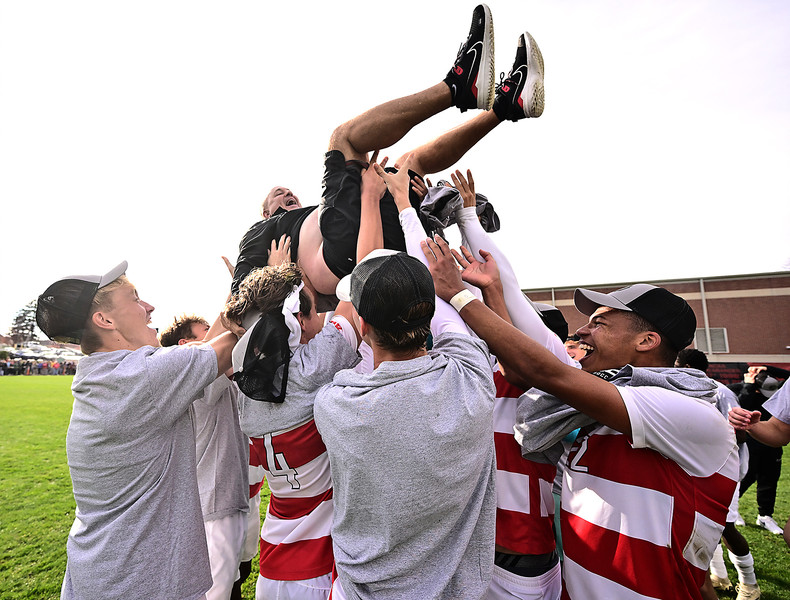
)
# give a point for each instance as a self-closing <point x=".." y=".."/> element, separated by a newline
<point x="180" y="328"/>
<point x="693" y="358"/>
<point x="264" y="290"/>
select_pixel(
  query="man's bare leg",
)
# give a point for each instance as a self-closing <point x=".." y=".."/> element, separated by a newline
<point x="469" y="84"/>
<point x="385" y="124"/>
<point x="446" y="150"/>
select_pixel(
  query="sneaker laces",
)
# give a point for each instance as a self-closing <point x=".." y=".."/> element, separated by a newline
<point x="501" y="80"/>
<point x="460" y="52"/>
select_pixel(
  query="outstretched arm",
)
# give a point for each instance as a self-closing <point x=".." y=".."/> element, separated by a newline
<point x="530" y="363"/>
<point x="445" y="318"/>
<point x="371" y="234"/>
<point x="522" y="314"/>
<point x="217" y="335"/>
<point x="772" y="432"/>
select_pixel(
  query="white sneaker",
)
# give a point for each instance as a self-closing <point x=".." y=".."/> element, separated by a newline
<point x="748" y="592"/>
<point x="769" y="524"/>
<point x="739" y="521"/>
<point x="721" y="583"/>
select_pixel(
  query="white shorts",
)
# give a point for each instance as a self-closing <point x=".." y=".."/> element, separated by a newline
<point x="732" y="512"/>
<point x="305" y="589"/>
<point x="252" y="539"/>
<point x="224" y="537"/>
<point x="506" y="585"/>
<point x="337" y="591"/>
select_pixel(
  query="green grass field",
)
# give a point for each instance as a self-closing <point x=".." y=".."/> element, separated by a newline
<point x="37" y="507"/>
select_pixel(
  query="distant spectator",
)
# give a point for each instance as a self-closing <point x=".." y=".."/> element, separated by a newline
<point x="765" y="462"/>
<point x="774" y="431"/>
<point x="573" y="347"/>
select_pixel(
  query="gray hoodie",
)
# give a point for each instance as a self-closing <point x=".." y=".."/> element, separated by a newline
<point x="542" y="420"/>
<point x="411" y="449"/>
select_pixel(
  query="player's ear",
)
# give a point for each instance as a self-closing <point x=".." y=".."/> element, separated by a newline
<point x="102" y="320"/>
<point x="364" y="328"/>
<point x="648" y="340"/>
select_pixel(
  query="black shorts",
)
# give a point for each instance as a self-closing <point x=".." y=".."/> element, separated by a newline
<point x="340" y="210"/>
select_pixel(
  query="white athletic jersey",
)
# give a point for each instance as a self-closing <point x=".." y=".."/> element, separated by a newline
<point x="525" y="504"/>
<point x="641" y="518"/>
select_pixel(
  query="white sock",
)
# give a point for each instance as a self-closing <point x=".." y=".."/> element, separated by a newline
<point x="717" y="566"/>
<point x="745" y="567"/>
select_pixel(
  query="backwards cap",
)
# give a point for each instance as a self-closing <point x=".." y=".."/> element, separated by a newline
<point x="552" y="318"/>
<point x="669" y="314"/>
<point x="63" y="309"/>
<point x="769" y="387"/>
<point x="384" y="286"/>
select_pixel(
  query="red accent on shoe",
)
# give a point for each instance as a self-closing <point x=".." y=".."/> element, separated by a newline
<point x="458" y="70"/>
<point x="505" y="88"/>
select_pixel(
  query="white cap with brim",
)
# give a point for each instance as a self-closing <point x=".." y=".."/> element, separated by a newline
<point x="343" y="290"/>
<point x="588" y="301"/>
<point x="113" y="274"/>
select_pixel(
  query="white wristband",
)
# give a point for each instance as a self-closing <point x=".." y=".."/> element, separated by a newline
<point x="461" y="299"/>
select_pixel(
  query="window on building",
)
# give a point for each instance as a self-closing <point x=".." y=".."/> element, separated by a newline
<point x="718" y="340"/>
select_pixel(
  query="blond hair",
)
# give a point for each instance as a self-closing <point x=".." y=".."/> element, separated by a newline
<point x="90" y="340"/>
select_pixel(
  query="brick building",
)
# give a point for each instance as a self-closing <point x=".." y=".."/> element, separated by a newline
<point x="742" y="320"/>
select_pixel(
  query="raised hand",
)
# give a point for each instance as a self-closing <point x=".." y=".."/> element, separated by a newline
<point x="372" y="183"/>
<point x="398" y="183"/>
<point x="479" y="274"/>
<point x="755" y="375"/>
<point x="443" y="268"/>
<point x="231" y="268"/>
<point x="466" y="186"/>
<point x="419" y="186"/>
<point x="280" y="252"/>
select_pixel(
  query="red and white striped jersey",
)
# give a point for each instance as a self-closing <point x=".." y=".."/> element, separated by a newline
<point x="257" y="472"/>
<point x="525" y="504"/>
<point x="295" y="537"/>
<point x="640" y="519"/>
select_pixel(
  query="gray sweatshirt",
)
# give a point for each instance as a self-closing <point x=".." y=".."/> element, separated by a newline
<point x="411" y="449"/>
<point x="542" y="420"/>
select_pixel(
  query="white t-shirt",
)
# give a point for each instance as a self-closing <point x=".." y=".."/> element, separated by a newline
<point x="779" y="404"/>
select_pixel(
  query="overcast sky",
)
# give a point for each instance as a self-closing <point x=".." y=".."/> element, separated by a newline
<point x="151" y="130"/>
